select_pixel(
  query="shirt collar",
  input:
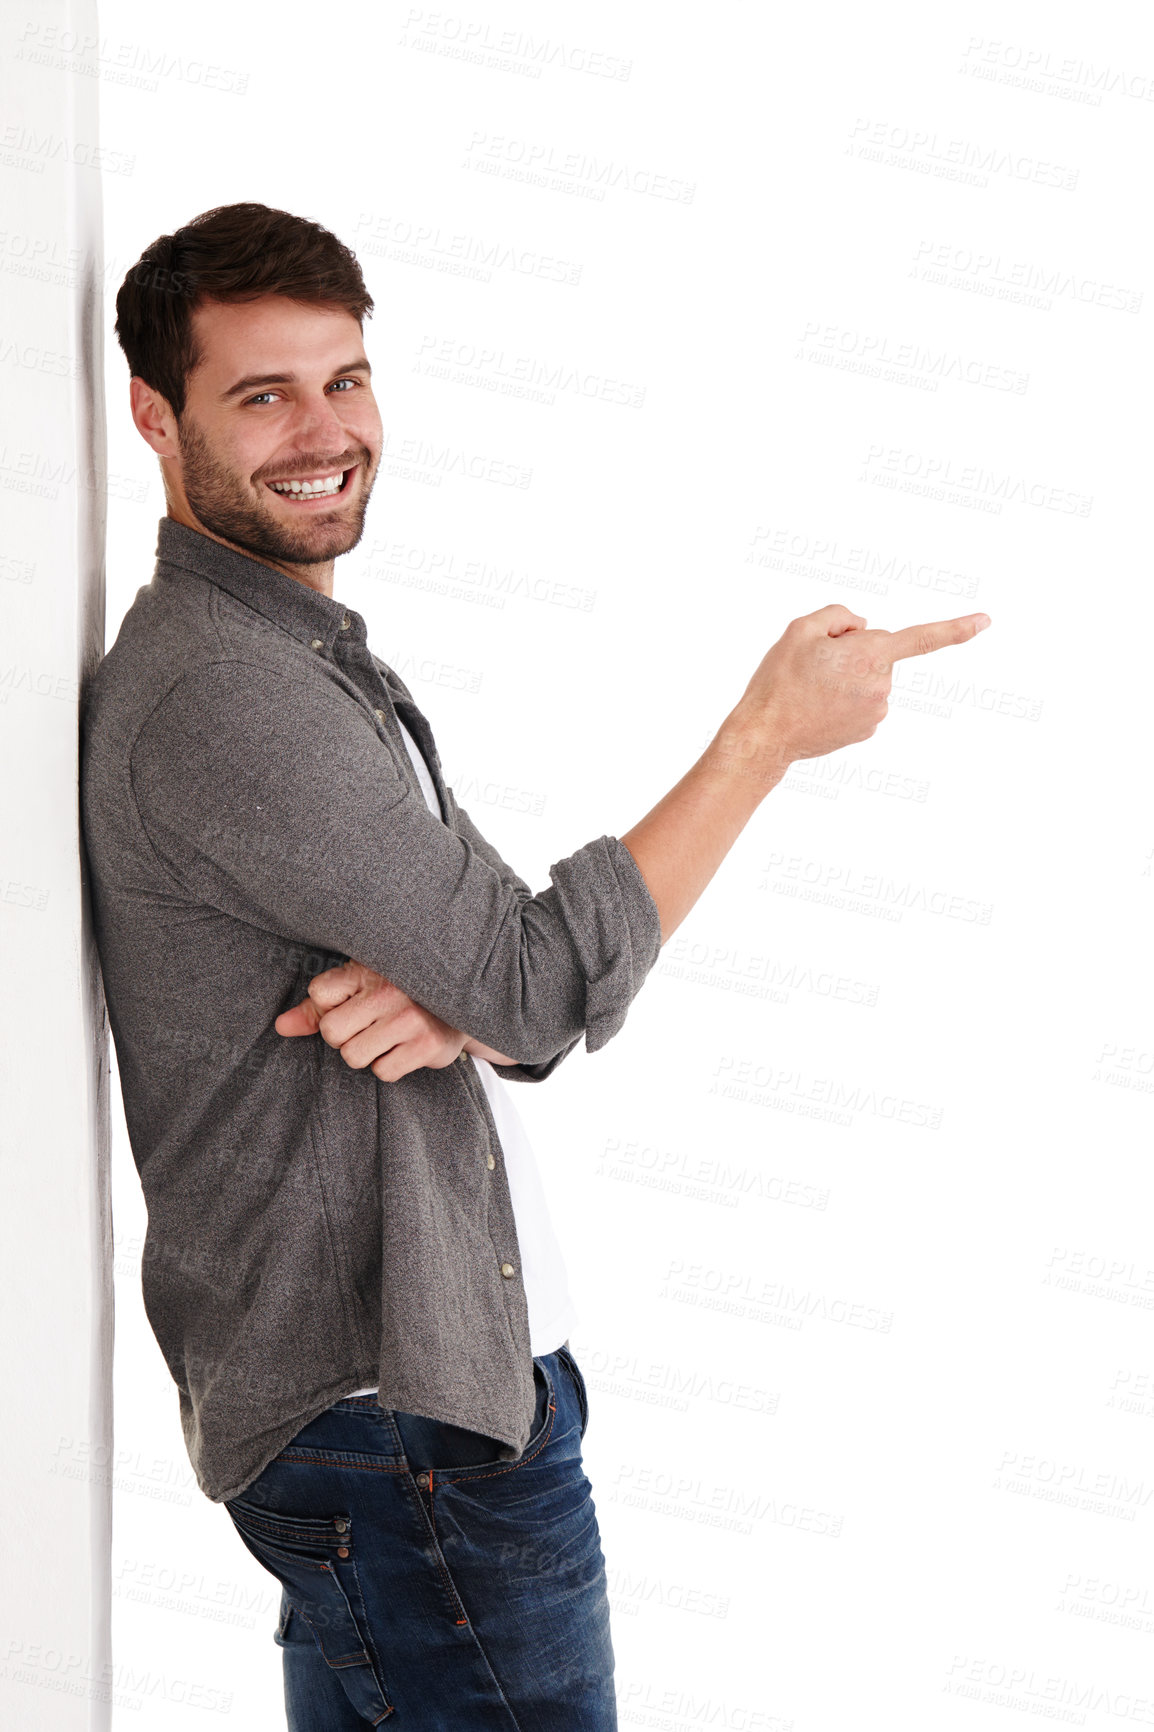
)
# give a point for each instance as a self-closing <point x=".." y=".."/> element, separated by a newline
<point x="318" y="620"/>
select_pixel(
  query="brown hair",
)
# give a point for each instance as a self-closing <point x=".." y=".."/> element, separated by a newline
<point x="233" y="253"/>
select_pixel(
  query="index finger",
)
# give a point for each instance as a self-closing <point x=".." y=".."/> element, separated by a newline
<point x="919" y="640"/>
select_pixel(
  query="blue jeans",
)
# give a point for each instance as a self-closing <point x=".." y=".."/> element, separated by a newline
<point x="423" y="1576"/>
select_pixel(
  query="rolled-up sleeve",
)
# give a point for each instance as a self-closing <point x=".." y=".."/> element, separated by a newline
<point x="275" y="800"/>
<point x="464" y="826"/>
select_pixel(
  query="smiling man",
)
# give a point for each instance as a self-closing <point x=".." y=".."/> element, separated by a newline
<point x="319" y="978"/>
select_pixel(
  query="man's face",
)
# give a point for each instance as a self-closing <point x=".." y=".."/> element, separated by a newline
<point x="282" y="394"/>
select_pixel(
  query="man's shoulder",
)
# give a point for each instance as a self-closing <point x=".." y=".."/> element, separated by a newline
<point x="180" y="634"/>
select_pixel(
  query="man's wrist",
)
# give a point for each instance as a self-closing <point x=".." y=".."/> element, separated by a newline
<point x="750" y="748"/>
<point x="478" y="1049"/>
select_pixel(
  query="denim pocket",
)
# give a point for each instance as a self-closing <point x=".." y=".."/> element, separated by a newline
<point x="491" y="1464"/>
<point x="312" y="1558"/>
<point x="448" y="1450"/>
<point x="291" y="1627"/>
<point x="565" y="1354"/>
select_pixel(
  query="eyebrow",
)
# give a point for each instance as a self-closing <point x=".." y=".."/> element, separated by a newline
<point x="253" y="380"/>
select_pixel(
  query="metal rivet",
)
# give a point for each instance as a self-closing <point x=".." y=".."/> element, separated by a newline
<point x="341" y="1527"/>
<point x="490" y="1162"/>
<point x="342" y="1551"/>
<point x="423" y="1481"/>
<point x="318" y="643"/>
<point x="507" y="1269"/>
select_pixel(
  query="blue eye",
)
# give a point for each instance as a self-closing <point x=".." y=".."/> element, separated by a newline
<point x="260" y="394"/>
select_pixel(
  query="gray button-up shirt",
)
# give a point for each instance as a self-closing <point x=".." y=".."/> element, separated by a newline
<point x="251" y="816"/>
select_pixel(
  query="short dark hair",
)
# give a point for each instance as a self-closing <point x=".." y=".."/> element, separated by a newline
<point x="235" y="252"/>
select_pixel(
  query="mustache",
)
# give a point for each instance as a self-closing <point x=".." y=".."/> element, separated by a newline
<point x="318" y="466"/>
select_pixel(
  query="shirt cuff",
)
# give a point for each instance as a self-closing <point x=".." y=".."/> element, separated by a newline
<point x="535" y="1072"/>
<point x="614" y="926"/>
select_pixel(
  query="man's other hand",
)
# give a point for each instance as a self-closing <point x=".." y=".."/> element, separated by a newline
<point x="376" y="1025"/>
<point x="825" y="683"/>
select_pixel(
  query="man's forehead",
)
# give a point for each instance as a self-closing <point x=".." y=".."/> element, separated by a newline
<point x="274" y="332"/>
<point x="270" y="318"/>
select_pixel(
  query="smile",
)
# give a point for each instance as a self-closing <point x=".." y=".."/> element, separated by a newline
<point x="313" y="487"/>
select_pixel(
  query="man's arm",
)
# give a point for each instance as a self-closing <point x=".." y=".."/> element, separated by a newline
<point x="824" y="684"/>
<point x="376" y="1026"/>
<point x="501" y="1062"/>
<point x="276" y="799"/>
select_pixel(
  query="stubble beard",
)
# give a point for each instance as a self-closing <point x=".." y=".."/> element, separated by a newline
<point x="224" y="504"/>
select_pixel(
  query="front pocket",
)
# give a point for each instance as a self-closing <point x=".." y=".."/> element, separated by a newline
<point x="578" y="1383"/>
<point x="312" y="1558"/>
<point x="499" y="1467"/>
<point x="290" y="1628"/>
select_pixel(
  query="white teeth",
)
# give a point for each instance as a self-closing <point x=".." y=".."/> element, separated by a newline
<point x="332" y="485"/>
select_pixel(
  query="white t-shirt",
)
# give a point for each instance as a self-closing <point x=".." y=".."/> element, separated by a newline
<point x="552" y="1313"/>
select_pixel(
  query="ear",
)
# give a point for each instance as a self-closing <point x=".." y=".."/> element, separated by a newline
<point x="154" y="418"/>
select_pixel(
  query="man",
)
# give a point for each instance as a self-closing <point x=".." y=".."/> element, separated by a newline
<point x="349" y="1267"/>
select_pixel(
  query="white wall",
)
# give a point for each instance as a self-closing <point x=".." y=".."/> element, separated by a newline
<point x="55" y="1225"/>
<point x="858" y="1204"/>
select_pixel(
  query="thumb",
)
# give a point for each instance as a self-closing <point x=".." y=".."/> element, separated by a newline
<point x="303" y="1018"/>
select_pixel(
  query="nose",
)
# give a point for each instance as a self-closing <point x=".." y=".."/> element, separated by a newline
<point x="318" y="423"/>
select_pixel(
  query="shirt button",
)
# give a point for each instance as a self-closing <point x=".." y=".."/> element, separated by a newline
<point x="507" y="1270"/>
<point x="489" y="1161"/>
<point x="345" y="623"/>
<point x="380" y="715"/>
<point x="318" y="643"/>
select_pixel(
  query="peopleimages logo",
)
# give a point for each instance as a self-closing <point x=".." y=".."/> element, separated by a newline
<point x="960" y="159"/>
<point x="1021" y="281"/>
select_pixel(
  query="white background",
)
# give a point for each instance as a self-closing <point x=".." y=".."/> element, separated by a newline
<point x="856" y="1206"/>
